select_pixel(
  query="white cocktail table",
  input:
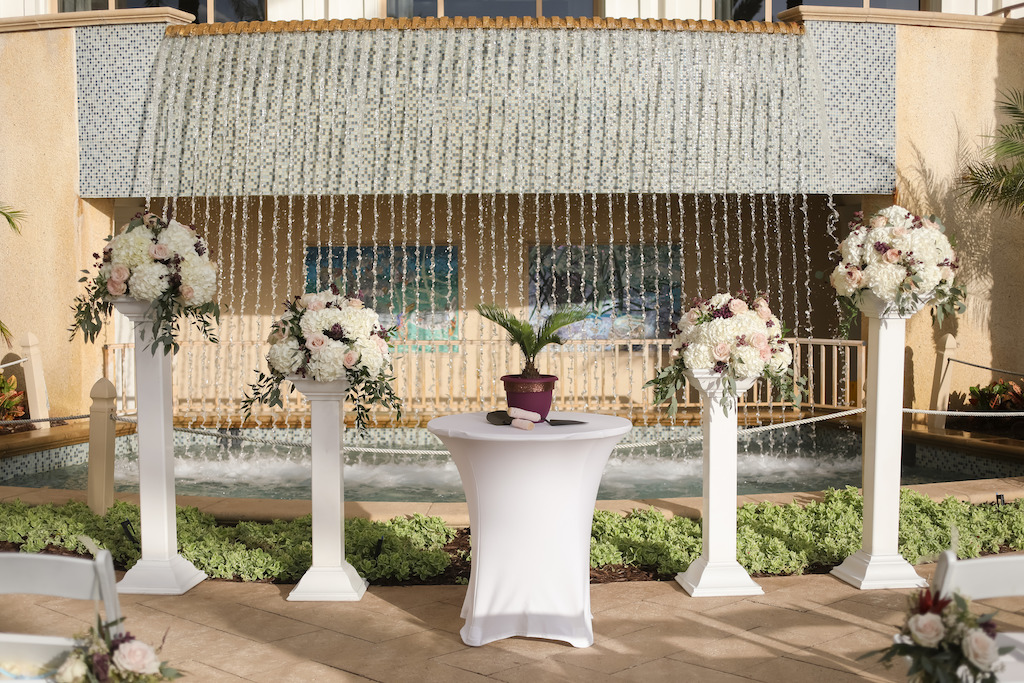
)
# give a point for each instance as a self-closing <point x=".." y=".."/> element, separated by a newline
<point x="531" y="498"/>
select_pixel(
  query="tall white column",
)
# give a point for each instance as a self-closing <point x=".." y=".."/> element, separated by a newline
<point x="878" y="564"/>
<point x="716" y="571"/>
<point x="330" y="577"/>
<point x="161" y="570"/>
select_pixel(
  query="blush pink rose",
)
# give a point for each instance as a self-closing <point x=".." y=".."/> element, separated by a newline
<point x="186" y="292"/>
<point x="899" y="231"/>
<point x="150" y="219"/>
<point x="721" y="351"/>
<point x="762" y="309"/>
<point x="891" y="256"/>
<point x="759" y="340"/>
<point x="316" y="305"/>
<point x="855" y="276"/>
<point x="927" y="630"/>
<point x="120" y="272"/>
<point x="381" y="344"/>
<point x="117" y="287"/>
<point x="878" y="221"/>
<point x="160" y="252"/>
<point x="738" y="306"/>
<point x="692" y="316"/>
<point x="275" y="337"/>
<point x="137" y="657"/>
<point x="929" y="224"/>
<point x="316" y="341"/>
<point x="350" y="358"/>
<point x="355" y="303"/>
<point x="766" y="354"/>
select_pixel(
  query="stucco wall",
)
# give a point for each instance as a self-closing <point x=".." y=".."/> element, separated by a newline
<point x="40" y="267"/>
<point x="948" y="82"/>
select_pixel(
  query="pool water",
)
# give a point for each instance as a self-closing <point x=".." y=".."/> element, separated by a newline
<point x="808" y="458"/>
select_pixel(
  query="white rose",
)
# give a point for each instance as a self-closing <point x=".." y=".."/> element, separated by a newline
<point x="132" y="248"/>
<point x="137" y="657"/>
<point x="981" y="650"/>
<point x="927" y="630"/>
<point x="72" y="670"/>
<point x="284" y="356"/>
<point x="149" y="281"/>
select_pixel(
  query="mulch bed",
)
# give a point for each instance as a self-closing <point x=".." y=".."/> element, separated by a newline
<point x="458" y="572"/>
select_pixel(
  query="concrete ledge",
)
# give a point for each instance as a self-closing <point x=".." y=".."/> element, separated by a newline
<point x="805" y="13"/>
<point x="146" y="15"/>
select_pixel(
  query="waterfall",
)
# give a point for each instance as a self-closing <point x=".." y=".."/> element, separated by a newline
<point x="435" y="169"/>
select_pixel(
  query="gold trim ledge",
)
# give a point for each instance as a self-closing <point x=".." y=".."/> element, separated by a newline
<point x="145" y="15"/>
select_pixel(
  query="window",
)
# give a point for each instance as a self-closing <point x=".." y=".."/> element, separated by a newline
<point x="492" y="8"/>
<point x="204" y="10"/>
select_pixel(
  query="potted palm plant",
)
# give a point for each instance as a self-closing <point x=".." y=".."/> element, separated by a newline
<point x="530" y="390"/>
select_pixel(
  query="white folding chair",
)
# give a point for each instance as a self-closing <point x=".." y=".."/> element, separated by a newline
<point x="66" y="577"/>
<point x="980" y="578"/>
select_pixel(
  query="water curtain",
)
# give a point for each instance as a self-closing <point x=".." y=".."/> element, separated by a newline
<point x="626" y="165"/>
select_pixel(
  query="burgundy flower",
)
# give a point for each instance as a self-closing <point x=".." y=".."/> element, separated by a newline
<point x="101" y="667"/>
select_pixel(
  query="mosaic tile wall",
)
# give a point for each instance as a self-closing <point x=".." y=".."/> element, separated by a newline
<point x="858" y="71"/>
<point x="970" y="467"/>
<point x="114" y="64"/>
<point x="44" y="461"/>
<point x="644" y="142"/>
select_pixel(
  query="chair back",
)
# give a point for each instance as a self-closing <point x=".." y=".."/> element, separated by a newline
<point x="59" y="576"/>
<point x="979" y="578"/>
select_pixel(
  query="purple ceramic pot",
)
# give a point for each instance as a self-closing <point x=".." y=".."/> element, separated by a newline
<point x="533" y="394"/>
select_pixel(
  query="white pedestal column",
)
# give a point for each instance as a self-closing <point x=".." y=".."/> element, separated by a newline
<point x="716" y="571"/>
<point x="330" y="577"/>
<point x="161" y="570"/>
<point x="878" y="564"/>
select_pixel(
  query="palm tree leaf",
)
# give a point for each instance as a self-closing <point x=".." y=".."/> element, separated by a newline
<point x="520" y="332"/>
<point x="12" y="216"/>
<point x="559" y="318"/>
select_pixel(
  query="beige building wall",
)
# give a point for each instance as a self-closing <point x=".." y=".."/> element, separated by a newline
<point x="947" y="84"/>
<point x="40" y="267"/>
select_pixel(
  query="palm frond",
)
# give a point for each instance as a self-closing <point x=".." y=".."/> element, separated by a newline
<point x="12" y="216"/>
<point x="559" y="318"/>
<point x="520" y="332"/>
<point x="1012" y="105"/>
<point x="6" y="335"/>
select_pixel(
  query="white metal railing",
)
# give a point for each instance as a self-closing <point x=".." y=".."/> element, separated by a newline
<point x="439" y="377"/>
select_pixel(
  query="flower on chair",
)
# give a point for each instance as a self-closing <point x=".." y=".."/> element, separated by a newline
<point x="945" y="641"/>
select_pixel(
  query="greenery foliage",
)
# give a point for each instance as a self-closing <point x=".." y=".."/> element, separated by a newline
<point x="999" y="395"/>
<point x="999" y="177"/>
<point x="532" y="340"/>
<point x="11" y="400"/>
<point x="771" y="539"/>
<point x="13" y="219"/>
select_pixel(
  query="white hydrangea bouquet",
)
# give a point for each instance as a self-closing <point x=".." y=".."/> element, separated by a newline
<point x="905" y="260"/>
<point x="736" y="336"/>
<point x="163" y="262"/>
<point x="325" y="336"/>
<point x="945" y="641"/>
<point x="99" y="655"/>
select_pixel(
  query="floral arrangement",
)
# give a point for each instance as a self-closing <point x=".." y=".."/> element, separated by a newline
<point x="945" y="641"/>
<point x="736" y="336"/>
<point x="903" y="259"/>
<point x="325" y="336"/>
<point x="155" y="260"/>
<point x="102" y="657"/>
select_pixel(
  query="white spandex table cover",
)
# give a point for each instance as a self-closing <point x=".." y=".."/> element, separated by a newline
<point x="531" y="498"/>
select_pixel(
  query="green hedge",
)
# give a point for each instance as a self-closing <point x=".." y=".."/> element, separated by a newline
<point x="771" y="539"/>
